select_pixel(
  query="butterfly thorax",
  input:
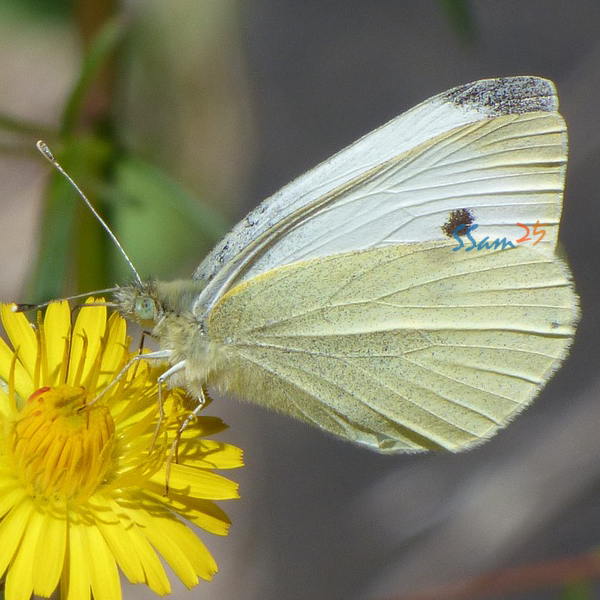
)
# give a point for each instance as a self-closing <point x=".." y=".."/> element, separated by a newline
<point x="166" y="308"/>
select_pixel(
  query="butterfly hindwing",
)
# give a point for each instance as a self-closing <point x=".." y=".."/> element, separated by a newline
<point x="400" y="348"/>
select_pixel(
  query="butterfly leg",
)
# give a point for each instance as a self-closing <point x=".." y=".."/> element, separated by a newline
<point x="173" y="453"/>
<point x="158" y="355"/>
<point x="161" y="380"/>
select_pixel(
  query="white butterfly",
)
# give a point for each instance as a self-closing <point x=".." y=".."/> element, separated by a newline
<point x="341" y="302"/>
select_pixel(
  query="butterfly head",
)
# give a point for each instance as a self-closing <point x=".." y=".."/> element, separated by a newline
<point x="149" y="302"/>
<point x="139" y="303"/>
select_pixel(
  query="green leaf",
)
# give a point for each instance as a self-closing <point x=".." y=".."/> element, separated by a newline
<point x="460" y="15"/>
<point x="38" y="9"/>
<point x="35" y="130"/>
<point x="164" y="229"/>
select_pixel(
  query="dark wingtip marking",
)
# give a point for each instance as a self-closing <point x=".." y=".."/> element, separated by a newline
<point x="506" y="96"/>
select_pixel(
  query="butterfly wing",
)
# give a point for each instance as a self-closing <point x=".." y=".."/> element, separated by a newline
<point x="340" y="301"/>
<point x="496" y="147"/>
<point x="399" y="348"/>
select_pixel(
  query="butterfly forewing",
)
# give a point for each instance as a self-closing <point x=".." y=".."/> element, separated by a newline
<point x="400" y="183"/>
<point x="470" y="103"/>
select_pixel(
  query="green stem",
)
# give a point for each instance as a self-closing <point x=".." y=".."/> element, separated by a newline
<point x="101" y="49"/>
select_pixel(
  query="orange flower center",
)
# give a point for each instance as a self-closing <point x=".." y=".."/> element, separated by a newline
<point x="61" y="447"/>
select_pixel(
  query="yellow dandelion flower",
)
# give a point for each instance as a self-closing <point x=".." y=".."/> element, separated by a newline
<point x="82" y="475"/>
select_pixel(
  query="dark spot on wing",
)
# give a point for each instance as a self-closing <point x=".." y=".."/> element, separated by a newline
<point x="460" y="216"/>
<point x="505" y="96"/>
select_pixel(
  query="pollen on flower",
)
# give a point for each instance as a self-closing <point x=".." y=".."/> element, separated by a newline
<point x="61" y="447"/>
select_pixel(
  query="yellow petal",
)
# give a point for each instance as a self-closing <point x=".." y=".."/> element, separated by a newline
<point x="198" y="483"/>
<point x="117" y="537"/>
<point x="182" y="550"/>
<point x="57" y="328"/>
<point x="156" y="578"/>
<point x="19" y="579"/>
<point x="115" y="348"/>
<point x="12" y="529"/>
<point x="104" y="575"/>
<point x="6" y="407"/>
<point x="209" y="454"/>
<point x="187" y="543"/>
<point x="208" y="515"/>
<point x="76" y="584"/>
<point x="87" y="337"/>
<point x="204" y="513"/>
<point x="23" y="337"/>
<point x="50" y="551"/>
<point x="11" y="493"/>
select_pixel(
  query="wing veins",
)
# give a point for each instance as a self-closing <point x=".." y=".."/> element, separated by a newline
<point x="449" y="142"/>
<point x="428" y="390"/>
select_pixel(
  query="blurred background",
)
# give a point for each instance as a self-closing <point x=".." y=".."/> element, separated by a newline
<point x="178" y="117"/>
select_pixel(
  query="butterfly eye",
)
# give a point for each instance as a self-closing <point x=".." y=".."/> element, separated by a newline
<point x="145" y="309"/>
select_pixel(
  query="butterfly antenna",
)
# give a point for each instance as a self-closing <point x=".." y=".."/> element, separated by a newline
<point x="43" y="148"/>
<point x="23" y="307"/>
